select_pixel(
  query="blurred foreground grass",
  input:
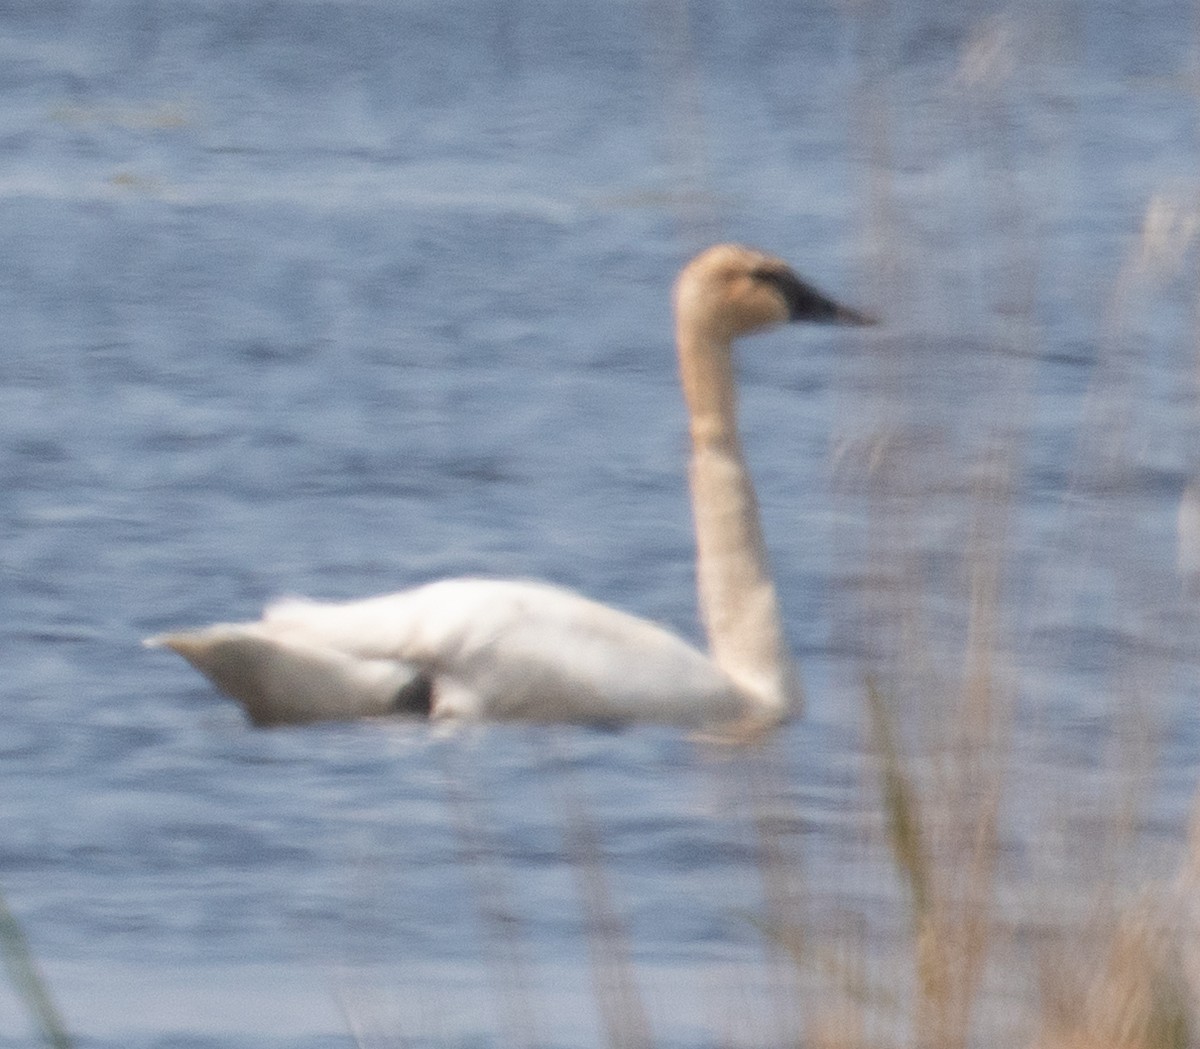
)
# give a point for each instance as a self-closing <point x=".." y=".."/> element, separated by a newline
<point x="27" y="980"/>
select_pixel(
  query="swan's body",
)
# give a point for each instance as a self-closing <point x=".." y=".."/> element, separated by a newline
<point x="491" y="648"/>
<point x="476" y="648"/>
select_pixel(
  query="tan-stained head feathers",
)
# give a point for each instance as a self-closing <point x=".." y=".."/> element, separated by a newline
<point x="730" y="290"/>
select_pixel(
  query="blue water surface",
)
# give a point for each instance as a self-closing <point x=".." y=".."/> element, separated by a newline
<point x="333" y="298"/>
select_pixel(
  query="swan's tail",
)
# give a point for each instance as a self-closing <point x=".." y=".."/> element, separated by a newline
<point x="279" y="681"/>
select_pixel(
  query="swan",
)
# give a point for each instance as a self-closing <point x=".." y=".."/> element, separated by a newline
<point x="474" y="648"/>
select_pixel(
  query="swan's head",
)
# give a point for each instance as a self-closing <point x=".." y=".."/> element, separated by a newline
<point x="731" y="290"/>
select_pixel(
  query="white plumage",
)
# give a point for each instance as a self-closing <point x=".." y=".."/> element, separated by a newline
<point x="471" y="649"/>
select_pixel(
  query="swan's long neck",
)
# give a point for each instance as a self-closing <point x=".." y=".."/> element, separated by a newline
<point x="737" y="596"/>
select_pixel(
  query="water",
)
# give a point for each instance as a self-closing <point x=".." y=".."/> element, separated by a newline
<point x="335" y="298"/>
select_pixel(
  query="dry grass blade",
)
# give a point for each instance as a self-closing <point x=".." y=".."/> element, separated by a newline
<point x="1134" y="999"/>
<point x="618" y="999"/>
<point x="508" y="962"/>
<point x="901" y="809"/>
<point x="30" y="986"/>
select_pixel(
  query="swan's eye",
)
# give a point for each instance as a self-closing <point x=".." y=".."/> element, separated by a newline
<point x="783" y="282"/>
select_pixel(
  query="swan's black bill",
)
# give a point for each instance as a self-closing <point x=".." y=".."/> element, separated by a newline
<point x="805" y="303"/>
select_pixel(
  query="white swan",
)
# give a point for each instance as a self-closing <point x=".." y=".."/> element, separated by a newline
<point x="482" y="648"/>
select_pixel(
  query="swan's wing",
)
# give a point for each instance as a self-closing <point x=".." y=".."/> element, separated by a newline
<point x="282" y="680"/>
